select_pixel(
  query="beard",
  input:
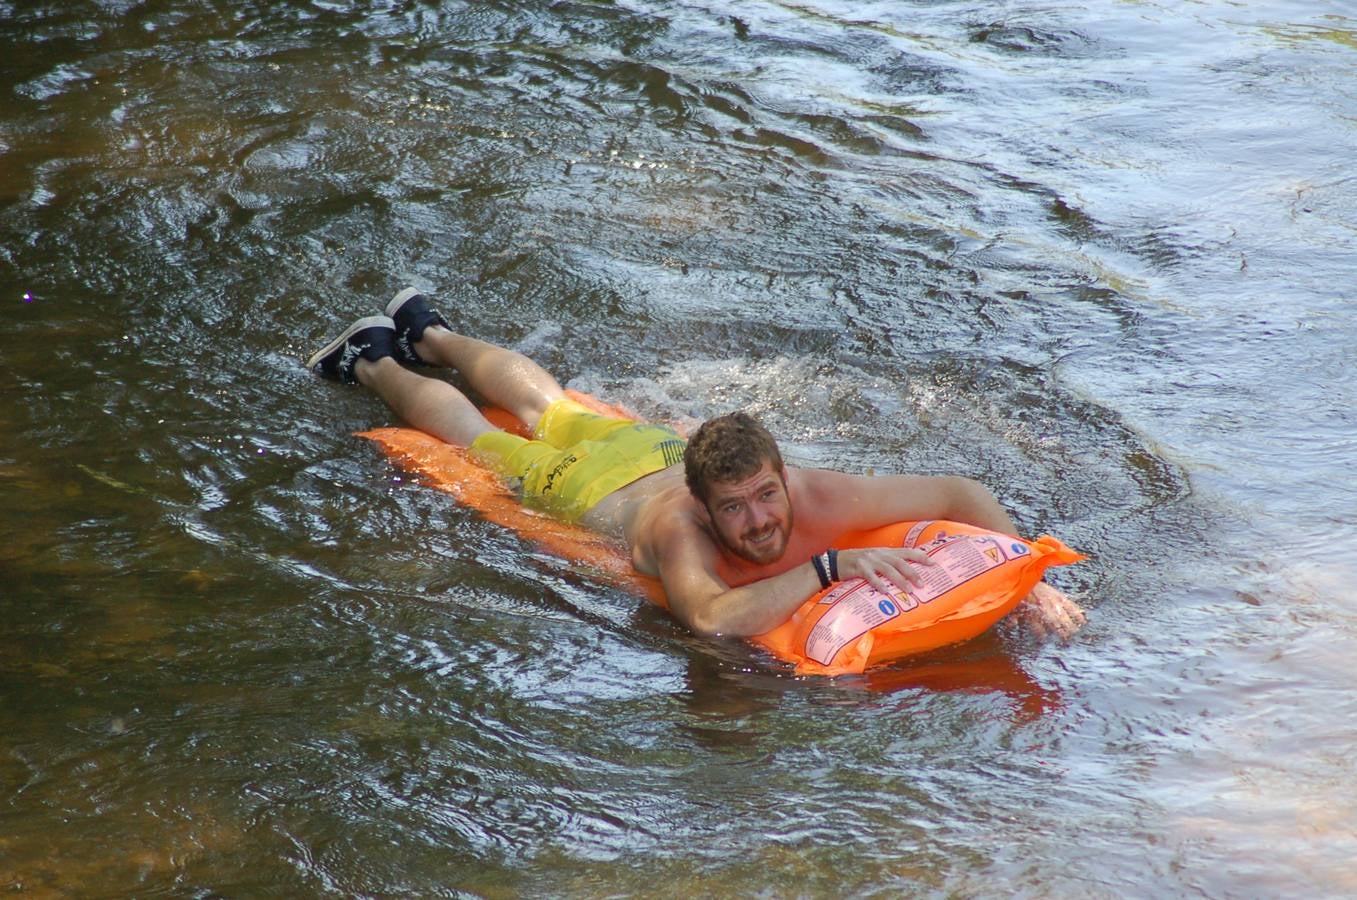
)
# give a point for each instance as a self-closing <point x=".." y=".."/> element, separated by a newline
<point x="748" y="547"/>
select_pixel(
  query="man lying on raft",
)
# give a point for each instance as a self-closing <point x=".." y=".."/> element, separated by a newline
<point x="738" y="540"/>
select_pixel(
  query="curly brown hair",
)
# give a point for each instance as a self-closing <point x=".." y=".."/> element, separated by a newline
<point x="725" y="449"/>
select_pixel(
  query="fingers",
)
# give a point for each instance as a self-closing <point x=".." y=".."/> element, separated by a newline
<point x="889" y="578"/>
<point x="1047" y="610"/>
<point x="887" y="568"/>
<point x="917" y="557"/>
<point x="1034" y="622"/>
<point x="884" y="575"/>
<point x="1076" y="617"/>
<point x="1069" y="617"/>
<point x="880" y="583"/>
<point x="1058" y="621"/>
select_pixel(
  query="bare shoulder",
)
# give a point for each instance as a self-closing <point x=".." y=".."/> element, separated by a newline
<point x="816" y="482"/>
<point x="668" y="525"/>
<point x="835" y="495"/>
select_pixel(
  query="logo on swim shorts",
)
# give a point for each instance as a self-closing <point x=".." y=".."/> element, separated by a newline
<point x="558" y="472"/>
<point x="671" y="451"/>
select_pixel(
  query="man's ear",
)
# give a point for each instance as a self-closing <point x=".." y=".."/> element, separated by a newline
<point x="704" y="513"/>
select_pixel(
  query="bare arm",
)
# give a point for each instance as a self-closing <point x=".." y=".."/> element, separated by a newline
<point x="1045" y="611"/>
<point x="697" y="595"/>
<point x="867" y="501"/>
<point x="894" y="498"/>
<point x="685" y="558"/>
<point x="747" y="610"/>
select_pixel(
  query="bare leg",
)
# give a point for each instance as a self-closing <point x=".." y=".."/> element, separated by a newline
<point x="504" y="377"/>
<point x="429" y="404"/>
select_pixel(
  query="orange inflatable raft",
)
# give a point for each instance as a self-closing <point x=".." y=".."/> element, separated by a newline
<point x="979" y="577"/>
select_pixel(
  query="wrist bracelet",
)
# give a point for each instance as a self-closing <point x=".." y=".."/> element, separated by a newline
<point x="819" y="562"/>
<point x="833" y="556"/>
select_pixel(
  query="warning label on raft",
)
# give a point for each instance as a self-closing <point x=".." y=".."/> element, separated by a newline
<point x="859" y="609"/>
<point x="956" y="561"/>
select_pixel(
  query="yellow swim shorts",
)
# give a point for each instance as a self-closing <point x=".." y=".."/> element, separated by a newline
<point x="577" y="457"/>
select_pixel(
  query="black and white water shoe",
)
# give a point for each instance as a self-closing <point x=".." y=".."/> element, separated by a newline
<point x="369" y="338"/>
<point x="411" y="312"/>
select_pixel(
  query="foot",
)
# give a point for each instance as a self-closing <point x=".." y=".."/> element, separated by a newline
<point x="371" y="338"/>
<point x="411" y="312"/>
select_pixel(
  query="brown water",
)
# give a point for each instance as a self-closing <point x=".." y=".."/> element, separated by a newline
<point x="1098" y="256"/>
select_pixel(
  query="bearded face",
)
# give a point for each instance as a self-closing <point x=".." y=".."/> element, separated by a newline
<point x="753" y="517"/>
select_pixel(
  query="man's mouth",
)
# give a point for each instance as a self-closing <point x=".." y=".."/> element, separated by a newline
<point x="762" y="537"/>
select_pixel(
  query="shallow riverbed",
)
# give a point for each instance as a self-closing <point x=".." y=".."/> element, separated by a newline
<point x="1099" y="256"/>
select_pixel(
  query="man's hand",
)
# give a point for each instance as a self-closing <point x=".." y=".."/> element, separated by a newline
<point x="882" y="566"/>
<point x="1047" y="611"/>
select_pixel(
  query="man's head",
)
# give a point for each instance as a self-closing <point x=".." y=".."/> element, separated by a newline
<point x="734" y="469"/>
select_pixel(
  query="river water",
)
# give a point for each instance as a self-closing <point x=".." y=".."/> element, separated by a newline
<point x="1100" y="256"/>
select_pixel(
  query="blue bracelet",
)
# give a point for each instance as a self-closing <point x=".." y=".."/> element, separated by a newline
<point x="819" y="563"/>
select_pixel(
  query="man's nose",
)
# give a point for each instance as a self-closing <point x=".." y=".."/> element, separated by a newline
<point x="759" y="514"/>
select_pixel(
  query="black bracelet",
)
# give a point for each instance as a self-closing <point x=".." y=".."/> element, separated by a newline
<point x="833" y="564"/>
<point x="819" y="565"/>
